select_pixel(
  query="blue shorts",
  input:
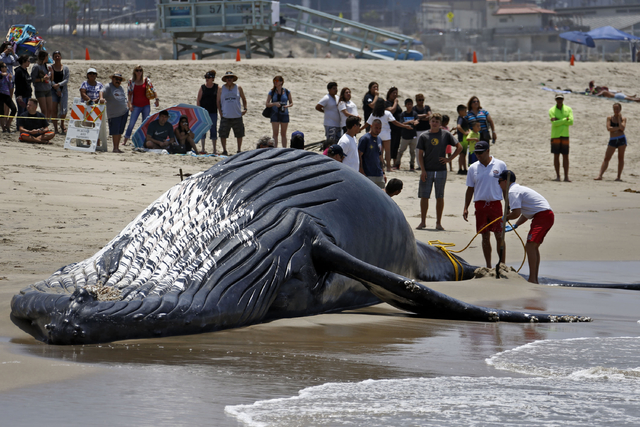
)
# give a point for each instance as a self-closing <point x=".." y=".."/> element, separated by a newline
<point x="618" y="141"/>
<point x="279" y="117"/>
<point x="118" y="124"/>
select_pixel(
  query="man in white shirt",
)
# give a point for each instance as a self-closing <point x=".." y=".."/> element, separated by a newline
<point x="349" y="144"/>
<point x="328" y="105"/>
<point x="527" y="204"/>
<point x="482" y="186"/>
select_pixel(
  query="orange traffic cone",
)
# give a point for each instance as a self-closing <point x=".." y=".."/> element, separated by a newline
<point x="86" y="54"/>
<point x="238" y="55"/>
<point x="193" y="56"/>
<point x="475" y="58"/>
<point x="572" y="59"/>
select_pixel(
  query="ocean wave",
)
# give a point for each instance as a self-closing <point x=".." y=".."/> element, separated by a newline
<point x="609" y="358"/>
<point x="469" y="401"/>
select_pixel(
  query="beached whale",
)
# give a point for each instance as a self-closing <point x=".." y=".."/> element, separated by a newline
<point x="265" y="234"/>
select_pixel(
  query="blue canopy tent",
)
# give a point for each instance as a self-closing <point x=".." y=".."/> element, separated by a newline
<point x="613" y="34"/>
<point x="610" y="33"/>
<point x="602" y="33"/>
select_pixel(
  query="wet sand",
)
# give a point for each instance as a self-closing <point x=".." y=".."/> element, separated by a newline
<point x="59" y="206"/>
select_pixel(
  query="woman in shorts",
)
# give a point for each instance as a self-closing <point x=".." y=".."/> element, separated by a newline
<point x="59" y="91"/>
<point x="41" y="79"/>
<point x="617" y="141"/>
<point x="279" y="100"/>
<point x="208" y="99"/>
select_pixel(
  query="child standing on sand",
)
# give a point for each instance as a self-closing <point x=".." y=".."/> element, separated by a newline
<point x="409" y="138"/>
<point x="463" y="131"/>
<point x="472" y="138"/>
<point x="445" y="126"/>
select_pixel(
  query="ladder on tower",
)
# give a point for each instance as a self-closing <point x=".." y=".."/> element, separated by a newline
<point x="344" y="34"/>
<point x="249" y="26"/>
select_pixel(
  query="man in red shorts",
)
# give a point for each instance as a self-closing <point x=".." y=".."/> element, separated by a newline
<point x="527" y="204"/>
<point x="483" y="187"/>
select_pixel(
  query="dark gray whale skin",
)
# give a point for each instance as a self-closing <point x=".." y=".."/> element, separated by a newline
<point x="263" y="235"/>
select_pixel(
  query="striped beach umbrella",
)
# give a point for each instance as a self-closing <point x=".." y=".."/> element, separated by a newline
<point x="199" y="122"/>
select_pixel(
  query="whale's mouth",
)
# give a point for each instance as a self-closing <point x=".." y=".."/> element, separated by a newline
<point x="104" y="293"/>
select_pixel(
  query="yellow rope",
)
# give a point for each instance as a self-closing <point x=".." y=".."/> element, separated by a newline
<point x="36" y="118"/>
<point x="479" y="232"/>
<point x="523" y="247"/>
<point x="444" y="247"/>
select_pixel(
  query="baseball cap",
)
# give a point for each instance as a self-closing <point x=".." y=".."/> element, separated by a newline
<point x="504" y="174"/>
<point x="297" y="134"/>
<point x="92" y="70"/>
<point x="559" y="96"/>
<point x="481" y="146"/>
<point x="336" y="149"/>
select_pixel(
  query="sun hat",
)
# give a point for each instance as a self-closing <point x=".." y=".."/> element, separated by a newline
<point x="229" y="74"/>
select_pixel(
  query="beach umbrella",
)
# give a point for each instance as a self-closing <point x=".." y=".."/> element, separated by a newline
<point x="579" y="37"/>
<point x="199" y="122"/>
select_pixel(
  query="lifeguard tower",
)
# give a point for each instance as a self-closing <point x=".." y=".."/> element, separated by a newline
<point x="257" y="22"/>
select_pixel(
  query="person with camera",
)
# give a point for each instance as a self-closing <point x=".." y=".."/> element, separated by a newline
<point x="140" y="92"/>
<point x="91" y="90"/>
<point x="279" y="100"/>
<point x="184" y="138"/>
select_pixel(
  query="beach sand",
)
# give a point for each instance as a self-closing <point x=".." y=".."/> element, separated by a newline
<point x="59" y="206"/>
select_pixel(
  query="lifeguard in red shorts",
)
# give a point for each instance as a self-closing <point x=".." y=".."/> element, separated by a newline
<point x="528" y="204"/>
<point x="482" y="186"/>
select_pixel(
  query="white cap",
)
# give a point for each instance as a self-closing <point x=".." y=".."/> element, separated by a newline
<point x="92" y="70"/>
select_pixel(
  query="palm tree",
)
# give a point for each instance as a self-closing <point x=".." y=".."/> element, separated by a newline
<point x="73" y="8"/>
<point x="85" y="6"/>
<point x="26" y="10"/>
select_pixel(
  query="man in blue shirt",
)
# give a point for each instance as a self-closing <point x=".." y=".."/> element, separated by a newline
<point x="371" y="155"/>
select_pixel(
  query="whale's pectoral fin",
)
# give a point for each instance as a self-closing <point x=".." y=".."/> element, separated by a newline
<point x="409" y="295"/>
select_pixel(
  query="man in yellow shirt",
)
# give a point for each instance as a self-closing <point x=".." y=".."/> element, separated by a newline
<point x="561" y="118"/>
